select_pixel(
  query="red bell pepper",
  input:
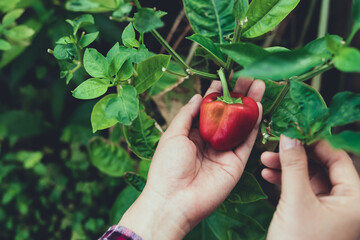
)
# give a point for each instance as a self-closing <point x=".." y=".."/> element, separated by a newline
<point x="226" y="121"/>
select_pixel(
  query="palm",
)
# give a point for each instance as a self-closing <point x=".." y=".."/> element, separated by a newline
<point x="194" y="172"/>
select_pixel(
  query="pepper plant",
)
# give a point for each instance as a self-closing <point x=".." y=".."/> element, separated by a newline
<point x="225" y="32"/>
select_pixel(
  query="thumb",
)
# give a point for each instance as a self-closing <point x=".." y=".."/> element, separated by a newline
<point x="181" y="124"/>
<point x="294" y="167"/>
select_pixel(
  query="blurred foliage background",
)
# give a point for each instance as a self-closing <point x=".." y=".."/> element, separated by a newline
<point x="49" y="186"/>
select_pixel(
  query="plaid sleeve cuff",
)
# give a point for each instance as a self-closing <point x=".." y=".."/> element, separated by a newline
<point x="118" y="232"/>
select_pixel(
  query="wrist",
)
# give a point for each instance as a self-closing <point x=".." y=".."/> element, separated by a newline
<point x="152" y="216"/>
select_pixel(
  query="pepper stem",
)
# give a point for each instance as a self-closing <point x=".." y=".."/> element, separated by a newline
<point x="226" y="94"/>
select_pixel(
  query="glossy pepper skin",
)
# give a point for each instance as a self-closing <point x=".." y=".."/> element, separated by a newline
<point x="225" y="126"/>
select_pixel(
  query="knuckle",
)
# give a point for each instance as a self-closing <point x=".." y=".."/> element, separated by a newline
<point x="296" y="163"/>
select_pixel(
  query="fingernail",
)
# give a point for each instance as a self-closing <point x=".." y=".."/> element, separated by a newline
<point x="194" y="98"/>
<point x="287" y="143"/>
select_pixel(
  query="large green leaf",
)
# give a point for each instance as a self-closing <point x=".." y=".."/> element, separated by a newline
<point x="150" y="71"/>
<point x="244" y="54"/>
<point x="348" y="141"/>
<point x="231" y="226"/>
<point x="19" y="33"/>
<point x="347" y="60"/>
<point x="125" y="107"/>
<point x="344" y="109"/>
<point x="283" y="65"/>
<point x="142" y="136"/>
<point x="98" y="119"/>
<point x="109" y="158"/>
<point x="211" y="18"/>
<point x="246" y="190"/>
<point x="209" y="46"/>
<point x="264" y="15"/>
<point x="117" y="57"/>
<point x="91" y="88"/>
<point x="309" y="118"/>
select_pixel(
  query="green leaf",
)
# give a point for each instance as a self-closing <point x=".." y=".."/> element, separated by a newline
<point x="347" y="60"/>
<point x="91" y="88"/>
<point x="264" y="15"/>
<point x="276" y="49"/>
<point x="356" y="14"/>
<point x="142" y="136"/>
<point x="231" y="225"/>
<point x="96" y="64"/>
<point x="240" y="8"/>
<point x="150" y="71"/>
<point x="280" y="66"/>
<point x="117" y="57"/>
<point x="138" y="182"/>
<point x="244" y="54"/>
<point x="80" y="22"/>
<point x="348" y="141"/>
<point x="344" y="109"/>
<point x="99" y="121"/>
<point x="65" y="51"/>
<point x="128" y="37"/>
<point x="147" y="20"/>
<point x="320" y="46"/>
<point x="29" y="159"/>
<point x="122" y="203"/>
<point x="87" y="39"/>
<point x="123" y="10"/>
<point x="19" y="33"/>
<point x="313" y="112"/>
<point x="125" y="107"/>
<point x="109" y="158"/>
<point x="334" y="43"/>
<point x="213" y="19"/>
<point x="126" y="70"/>
<point x="246" y="190"/>
<point x="12" y="16"/>
<point x="7" y="5"/>
<point x="209" y="46"/>
<point x="138" y="55"/>
<point x="4" y="45"/>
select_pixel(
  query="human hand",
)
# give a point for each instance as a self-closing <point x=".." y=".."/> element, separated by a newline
<point x="314" y="204"/>
<point x="188" y="179"/>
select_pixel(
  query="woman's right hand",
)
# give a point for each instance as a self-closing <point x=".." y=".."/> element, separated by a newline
<point x="316" y="202"/>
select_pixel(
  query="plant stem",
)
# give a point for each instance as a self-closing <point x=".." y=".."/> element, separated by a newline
<point x="226" y="94"/>
<point x="169" y="49"/>
<point x="352" y="34"/>
<point x="137" y="4"/>
<point x="277" y="101"/>
<point x="175" y="73"/>
<point x="237" y="33"/>
<point x="323" y="25"/>
<point x="307" y="22"/>
<point x="202" y="74"/>
<point x="307" y="76"/>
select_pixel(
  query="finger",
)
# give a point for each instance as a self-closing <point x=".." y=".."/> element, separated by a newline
<point x="257" y="90"/>
<point x="242" y="85"/>
<point x="342" y="173"/>
<point x="214" y="87"/>
<point x="243" y="151"/>
<point x="294" y="166"/>
<point x="271" y="160"/>
<point x="181" y="124"/>
<point x="271" y="175"/>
